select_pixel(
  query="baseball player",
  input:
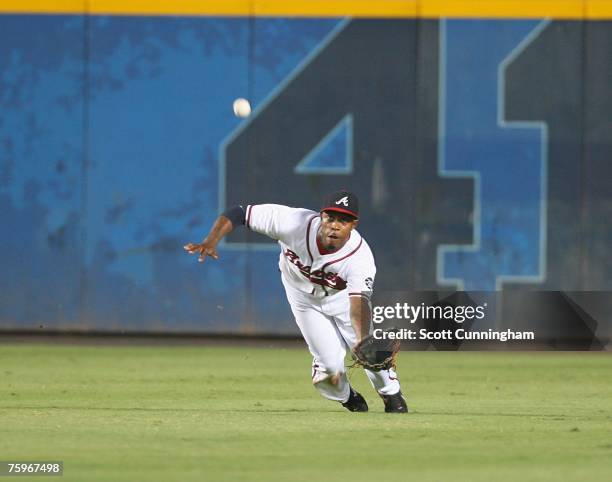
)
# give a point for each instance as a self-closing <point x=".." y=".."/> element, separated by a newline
<point x="327" y="269"/>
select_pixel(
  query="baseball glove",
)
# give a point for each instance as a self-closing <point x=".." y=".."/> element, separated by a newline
<point x="376" y="354"/>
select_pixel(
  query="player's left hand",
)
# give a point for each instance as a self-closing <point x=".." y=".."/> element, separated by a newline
<point x="203" y="249"/>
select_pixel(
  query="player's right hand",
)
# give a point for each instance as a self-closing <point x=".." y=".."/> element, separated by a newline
<point x="203" y="249"/>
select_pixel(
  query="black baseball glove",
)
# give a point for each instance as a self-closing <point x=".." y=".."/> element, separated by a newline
<point x="376" y="354"/>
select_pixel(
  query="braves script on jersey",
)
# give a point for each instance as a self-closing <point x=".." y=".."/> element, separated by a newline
<point x="330" y="277"/>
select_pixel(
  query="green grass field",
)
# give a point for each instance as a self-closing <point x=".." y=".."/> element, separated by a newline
<point x="223" y="414"/>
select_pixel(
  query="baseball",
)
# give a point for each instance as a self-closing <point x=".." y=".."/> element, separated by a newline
<point x="242" y="107"/>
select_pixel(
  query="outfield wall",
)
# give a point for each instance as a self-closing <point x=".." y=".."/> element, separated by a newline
<point x="480" y="146"/>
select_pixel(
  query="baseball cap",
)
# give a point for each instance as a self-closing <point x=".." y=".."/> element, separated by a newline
<point x="343" y="202"/>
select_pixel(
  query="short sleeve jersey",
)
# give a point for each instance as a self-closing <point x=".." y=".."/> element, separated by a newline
<point x="348" y="271"/>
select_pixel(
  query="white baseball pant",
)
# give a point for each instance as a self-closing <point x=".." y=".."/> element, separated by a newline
<point x="328" y="338"/>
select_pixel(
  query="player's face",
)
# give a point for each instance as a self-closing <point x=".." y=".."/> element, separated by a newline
<point x="335" y="229"/>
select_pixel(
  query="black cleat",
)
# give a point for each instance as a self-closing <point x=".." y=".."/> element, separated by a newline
<point x="395" y="403"/>
<point x="355" y="402"/>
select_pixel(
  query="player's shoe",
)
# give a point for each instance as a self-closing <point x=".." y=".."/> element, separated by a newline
<point x="395" y="403"/>
<point x="355" y="402"/>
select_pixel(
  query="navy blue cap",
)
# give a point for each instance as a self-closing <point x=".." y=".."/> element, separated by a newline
<point x="343" y="202"/>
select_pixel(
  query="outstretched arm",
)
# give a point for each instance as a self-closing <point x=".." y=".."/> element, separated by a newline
<point x="224" y="225"/>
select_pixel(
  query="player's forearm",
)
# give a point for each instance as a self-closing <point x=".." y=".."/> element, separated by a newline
<point x="225" y="223"/>
<point x="221" y="228"/>
<point x="360" y="316"/>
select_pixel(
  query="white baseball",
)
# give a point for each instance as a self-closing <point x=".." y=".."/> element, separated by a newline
<point x="242" y="107"/>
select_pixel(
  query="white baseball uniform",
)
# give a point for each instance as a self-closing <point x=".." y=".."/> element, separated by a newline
<point x="318" y="287"/>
